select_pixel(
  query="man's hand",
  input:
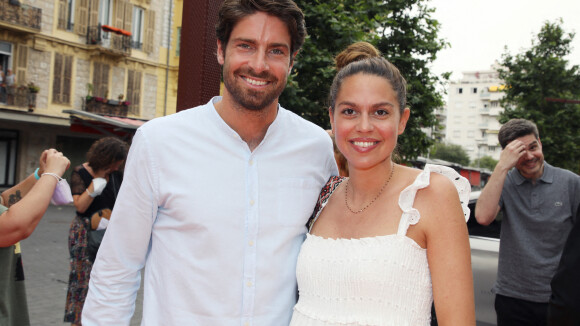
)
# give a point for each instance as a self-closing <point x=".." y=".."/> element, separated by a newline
<point x="511" y="154"/>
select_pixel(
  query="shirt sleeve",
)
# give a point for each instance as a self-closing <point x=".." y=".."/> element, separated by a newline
<point x="116" y="276"/>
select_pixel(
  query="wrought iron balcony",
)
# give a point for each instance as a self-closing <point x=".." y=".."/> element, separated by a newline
<point x="109" y="42"/>
<point x="106" y="107"/>
<point x="15" y="14"/>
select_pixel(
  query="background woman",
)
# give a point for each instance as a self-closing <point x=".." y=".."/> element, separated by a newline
<point x="94" y="185"/>
<point x="389" y="239"/>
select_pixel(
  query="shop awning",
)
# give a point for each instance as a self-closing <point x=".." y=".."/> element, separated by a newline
<point x="84" y="121"/>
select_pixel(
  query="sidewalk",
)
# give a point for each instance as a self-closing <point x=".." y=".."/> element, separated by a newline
<point x="46" y="267"/>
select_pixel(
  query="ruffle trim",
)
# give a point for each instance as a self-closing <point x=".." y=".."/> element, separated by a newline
<point x="407" y="196"/>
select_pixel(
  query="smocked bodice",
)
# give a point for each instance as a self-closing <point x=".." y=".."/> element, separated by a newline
<point x="383" y="280"/>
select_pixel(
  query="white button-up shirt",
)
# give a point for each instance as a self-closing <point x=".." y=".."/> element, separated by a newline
<point x="217" y="227"/>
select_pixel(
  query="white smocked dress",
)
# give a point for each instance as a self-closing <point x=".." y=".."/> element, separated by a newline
<point x="382" y="280"/>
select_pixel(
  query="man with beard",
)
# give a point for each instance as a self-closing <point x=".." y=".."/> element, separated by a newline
<point x="215" y="199"/>
<point x="538" y="202"/>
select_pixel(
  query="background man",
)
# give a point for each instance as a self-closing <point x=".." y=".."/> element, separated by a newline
<point x="215" y="199"/>
<point x="538" y="203"/>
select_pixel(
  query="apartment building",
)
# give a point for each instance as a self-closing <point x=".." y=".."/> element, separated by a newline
<point x="83" y="69"/>
<point x="473" y="109"/>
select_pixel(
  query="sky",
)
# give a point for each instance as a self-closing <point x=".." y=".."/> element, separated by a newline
<point x="479" y="30"/>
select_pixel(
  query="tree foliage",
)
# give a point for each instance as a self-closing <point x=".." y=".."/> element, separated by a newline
<point x="486" y="162"/>
<point x="402" y="30"/>
<point x="450" y="152"/>
<point x="537" y="75"/>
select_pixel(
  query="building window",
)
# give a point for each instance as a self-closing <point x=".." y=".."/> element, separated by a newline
<point x="472" y="105"/>
<point x="470" y="134"/>
<point x="101" y="79"/>
<point x="61" y="83"/>
<point x="494" y="104"/>
<point x="8" y="150"/>
<point x="474" y="90"/>
<point x="456" y="134"/>
<point x="134" y="91"/>
<point x="106" y="12"/>
<point x="137" y="28"/>
<point x="66" y="16"/>
<point x="459" y="90"/>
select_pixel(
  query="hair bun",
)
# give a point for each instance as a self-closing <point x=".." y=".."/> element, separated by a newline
<point x="356" y="52"/>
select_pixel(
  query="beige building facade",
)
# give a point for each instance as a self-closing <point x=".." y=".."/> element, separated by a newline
<point x="82" y="70"/>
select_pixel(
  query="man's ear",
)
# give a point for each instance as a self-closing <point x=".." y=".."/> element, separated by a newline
<point x="220" y="53"/>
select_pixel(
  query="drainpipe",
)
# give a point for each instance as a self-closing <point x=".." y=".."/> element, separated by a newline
<point x="168" y="51"/>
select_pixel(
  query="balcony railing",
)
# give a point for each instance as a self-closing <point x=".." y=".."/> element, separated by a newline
<point x="108" y="42"/>
<point x="21" y="96"/>
<point x="12" y="12"/>
<point x="106" y="107"/>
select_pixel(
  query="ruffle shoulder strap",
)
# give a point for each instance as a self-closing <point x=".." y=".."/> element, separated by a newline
<point x="407" y="197"/>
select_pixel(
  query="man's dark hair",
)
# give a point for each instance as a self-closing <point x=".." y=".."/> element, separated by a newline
<point x="232" y="11"/>
<point x="516" y="128"/>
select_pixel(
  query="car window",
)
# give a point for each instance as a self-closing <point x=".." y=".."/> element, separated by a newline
<point x="490" y="231"/>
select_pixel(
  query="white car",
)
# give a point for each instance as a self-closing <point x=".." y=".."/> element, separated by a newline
<point x="484" y="241"/>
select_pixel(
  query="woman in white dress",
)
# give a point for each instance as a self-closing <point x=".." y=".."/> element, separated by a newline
<point x="389" y="239"/>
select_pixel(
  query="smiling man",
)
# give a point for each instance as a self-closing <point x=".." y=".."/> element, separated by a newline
<point x="215" y="199"/>
<point x="538" y="202"/>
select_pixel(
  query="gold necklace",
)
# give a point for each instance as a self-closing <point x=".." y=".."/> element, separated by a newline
<point x="372" y="201"/>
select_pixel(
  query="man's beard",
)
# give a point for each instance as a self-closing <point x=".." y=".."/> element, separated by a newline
<point x="255" y="100"/>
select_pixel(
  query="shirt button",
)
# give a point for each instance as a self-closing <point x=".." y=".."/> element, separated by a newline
<point x="251" y="162"/>
<point x="252" y="202"/>
<point x="251" y="243"/>
<point x="249" y="284"/>
<point x="246" y="324"/>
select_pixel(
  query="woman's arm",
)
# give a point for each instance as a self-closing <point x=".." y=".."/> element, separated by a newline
<point x="22" y="217"/>
<point x="84" y="200"/>
<point x="14" y="194"/>
<point x="448" y="252"/>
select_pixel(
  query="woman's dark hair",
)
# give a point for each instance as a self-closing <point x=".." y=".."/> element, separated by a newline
<point x="364" y="58"/>
<point x="232" y="11"/>
<point x="106" y="151"/>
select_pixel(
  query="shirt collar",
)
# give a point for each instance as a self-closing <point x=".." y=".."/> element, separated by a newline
<point x="547" y="175"/>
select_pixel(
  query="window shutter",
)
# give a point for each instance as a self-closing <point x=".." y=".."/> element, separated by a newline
<point x="128" y="17"/>
<point x="57" y="78"/>
<point x="134" y="91"/>
<point x="100" y="79"/>
<point x="149" y="30"/>
<point x="119" y="12"/>
<point x="62" y="13"/>
<point x="93" y="13"/>
<point x="81" y="17"/>
<point x="66" y="79"/>
<point x="21" y="63"/>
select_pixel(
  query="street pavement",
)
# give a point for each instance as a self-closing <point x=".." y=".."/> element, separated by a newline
<point x="45" y="258"/>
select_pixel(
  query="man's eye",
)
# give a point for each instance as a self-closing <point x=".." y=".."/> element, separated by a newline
<point x="348" y="111"/>
<point x="382" y="112"/>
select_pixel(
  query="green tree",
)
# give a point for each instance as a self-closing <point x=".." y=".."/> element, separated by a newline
<point x="486" y="162"/>
<point x="402" y="30"/>
<point x="538" y="75"/>
<point x="450" y="152"/>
